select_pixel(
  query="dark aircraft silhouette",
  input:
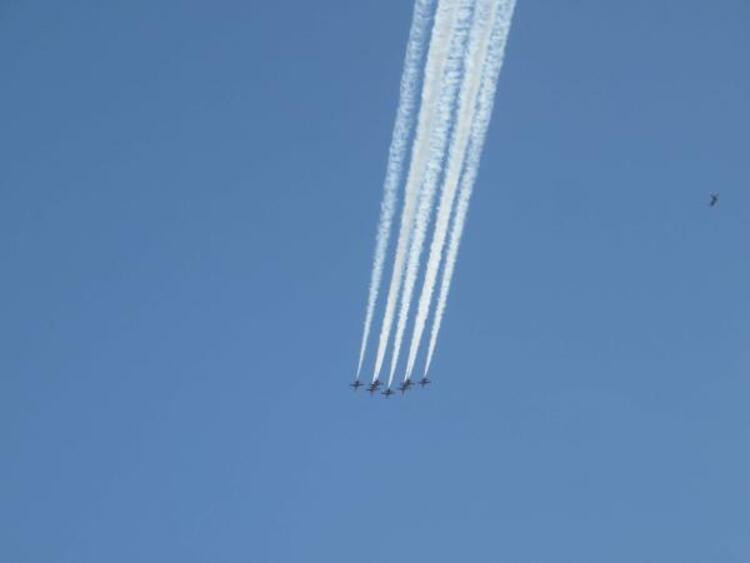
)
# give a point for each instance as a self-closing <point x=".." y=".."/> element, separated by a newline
<point x="424" y="381"/>
<point x="405" y="386"/>
<point x="372" y="387"/>
<point x="714" y="200"/>
<point x="356" y="385"/>
<point x="388" y="392"/>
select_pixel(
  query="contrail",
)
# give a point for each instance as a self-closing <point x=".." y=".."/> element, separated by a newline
<point x="439" y="43"/>
<point x="490" y="75"/>
<point x="415" y="48"/>
<point x="478" y="48"/>
<point x="455" y="69"/>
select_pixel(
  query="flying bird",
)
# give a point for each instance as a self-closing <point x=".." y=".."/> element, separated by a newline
<point x="714" y="200"/>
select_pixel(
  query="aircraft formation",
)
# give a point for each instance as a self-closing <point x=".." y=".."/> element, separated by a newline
<point x="373" y="387"/>
<point x="451" y="67"/>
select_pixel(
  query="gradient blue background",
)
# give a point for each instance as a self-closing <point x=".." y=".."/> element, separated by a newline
<point x="188" y="200"/>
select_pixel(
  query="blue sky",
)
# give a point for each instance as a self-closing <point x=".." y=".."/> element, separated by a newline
<point x="188" y="200"/>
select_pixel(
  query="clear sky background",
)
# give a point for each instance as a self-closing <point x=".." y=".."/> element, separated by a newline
<point x="188" y="200"/>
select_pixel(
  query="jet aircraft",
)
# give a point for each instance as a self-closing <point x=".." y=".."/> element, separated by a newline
<point x="424" y="381"/>
<point x="388" y="392"/>
<point x="372" y="387"/>
<point x="405" y="386"/>
<point x="356" y="385"/>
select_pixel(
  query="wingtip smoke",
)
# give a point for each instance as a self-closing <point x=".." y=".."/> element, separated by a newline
<point x="463" y="62"/>
<point x="404" y="123"/>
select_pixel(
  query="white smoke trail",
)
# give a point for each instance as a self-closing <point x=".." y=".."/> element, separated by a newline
<point x="436" y="55"/>
<point x="452" y="79"/>
<point x="486" y="100"/>
<point x="405" y="113"/>
<point x="467" y="97"/>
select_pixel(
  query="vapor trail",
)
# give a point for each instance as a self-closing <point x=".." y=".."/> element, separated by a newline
<point x="438" y="143"/>
<point x="436" y="54"/>
<point x="478" y="48"/>
<point x="486" y="100"/>
<point x="405" y="113"/>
